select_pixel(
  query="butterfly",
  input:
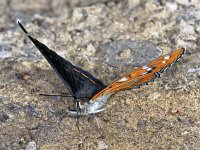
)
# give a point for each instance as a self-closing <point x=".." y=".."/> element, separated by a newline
<point x="88" y="92"/>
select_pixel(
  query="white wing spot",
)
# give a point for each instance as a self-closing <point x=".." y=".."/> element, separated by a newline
<point x="146" y="68"/>
<point x="122" y="79"/>
<point x="149" y="69"/>
<point x="166" y="57"/>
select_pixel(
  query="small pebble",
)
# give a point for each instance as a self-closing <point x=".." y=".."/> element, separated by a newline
<point x="126" y="53"/>
<point x="192" y="70"/>
<point x="31" y="146"/>
<point x="3" y="117"/>
<point x="23" y="76"/>
<point x="174" y="111"/>
<point x="187" y="31"/>
<point x="1" y="87"/>
<point x="154" y="96"/>
<point x="91" y="50"/>
<point x="102" y="145"/>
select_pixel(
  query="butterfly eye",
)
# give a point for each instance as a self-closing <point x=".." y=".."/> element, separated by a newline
<point x="82" y="101"/>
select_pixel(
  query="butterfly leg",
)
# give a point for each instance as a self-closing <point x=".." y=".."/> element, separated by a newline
<point x="77" y="122"/>
<point x="98" y="124"/>
<point x="77" y="113"/>
<point x="78" y="108"/>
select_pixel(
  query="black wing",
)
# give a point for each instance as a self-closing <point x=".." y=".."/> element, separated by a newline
<point x="80" y="83"/>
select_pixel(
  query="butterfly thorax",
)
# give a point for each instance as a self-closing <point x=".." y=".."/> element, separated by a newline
<point x="90" y="107"/>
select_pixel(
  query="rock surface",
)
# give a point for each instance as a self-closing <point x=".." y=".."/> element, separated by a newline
<point x="107" y="38"/>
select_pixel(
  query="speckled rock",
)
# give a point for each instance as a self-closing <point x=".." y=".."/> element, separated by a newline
<point x="107" y="38"/>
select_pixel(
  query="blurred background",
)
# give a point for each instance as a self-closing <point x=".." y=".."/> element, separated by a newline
<point x="107" y="38"/>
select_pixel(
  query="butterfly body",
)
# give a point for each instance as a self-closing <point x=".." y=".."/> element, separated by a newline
<point x="89" y="93"/>
<point x="91" y="107"/>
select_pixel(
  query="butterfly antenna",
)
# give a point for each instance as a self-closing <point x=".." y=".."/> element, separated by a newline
<point x="61" y="96"/>
<point x="55" y="95"/>
<point x="77" y="122"/>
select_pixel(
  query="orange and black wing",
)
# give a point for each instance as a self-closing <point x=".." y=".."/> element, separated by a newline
<point x="142" y="75"/>
<point x="80" y="83"/>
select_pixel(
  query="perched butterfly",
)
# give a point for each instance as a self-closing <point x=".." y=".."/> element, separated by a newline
<point x="89" y="93"/>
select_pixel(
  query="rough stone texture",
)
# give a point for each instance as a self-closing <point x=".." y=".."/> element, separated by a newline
<point x="107" y="38"/>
